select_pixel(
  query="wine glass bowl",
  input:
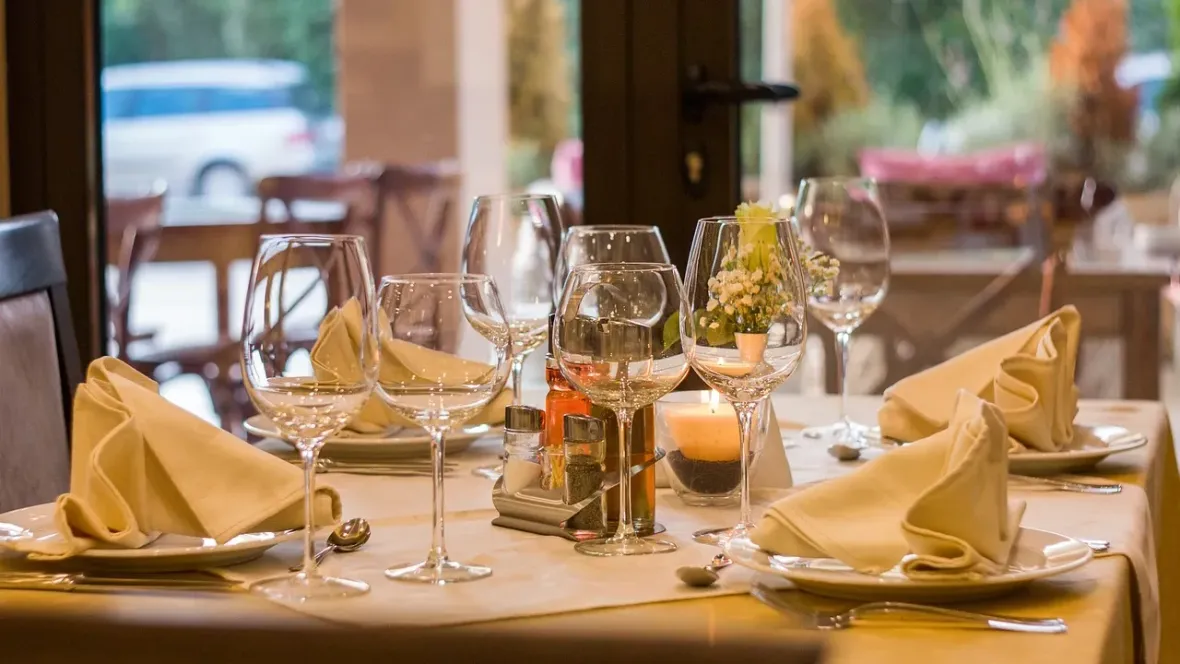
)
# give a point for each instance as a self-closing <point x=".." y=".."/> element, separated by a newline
<point x="742" y="322"/>
<point x="441" y="390"/>
<point x="516" y="239"/>
<point x="841" y="220"/>
<point x="611" y="343"/>
<point x="309" y="294"/>
<point x="608" y="244"/>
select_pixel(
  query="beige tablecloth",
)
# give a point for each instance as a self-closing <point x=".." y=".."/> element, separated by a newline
<point x="1101" y="602"/>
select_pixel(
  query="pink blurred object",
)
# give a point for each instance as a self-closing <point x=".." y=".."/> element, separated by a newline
<point x="1020" y="164"/>
<point x="566" y="167"/>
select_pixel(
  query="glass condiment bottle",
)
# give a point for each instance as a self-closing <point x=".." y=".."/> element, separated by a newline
<point x="585" y="453"/>
<point x="523" y="458"/>
<point x="643" y="449"/>
<point x="561" y="400"/>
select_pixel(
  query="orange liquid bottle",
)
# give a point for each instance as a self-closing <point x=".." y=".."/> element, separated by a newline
<point x="561" y="400"/>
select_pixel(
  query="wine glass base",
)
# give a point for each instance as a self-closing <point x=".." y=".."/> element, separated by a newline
<point x="303" y="588"/>
<point x="626" y="546"/>
<point x="718" y="536"/>
<point x="489" y="472"/>
<point x="438" y="574"/>
<point x="853" y="435"/>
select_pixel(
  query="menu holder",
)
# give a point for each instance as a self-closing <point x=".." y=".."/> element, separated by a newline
<point x="542" y="511"/>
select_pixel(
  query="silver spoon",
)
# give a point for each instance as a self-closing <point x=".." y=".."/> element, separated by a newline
<point x="703" y="577"/>
<point x="844" y="452"/>
<point x="348" y="536"/>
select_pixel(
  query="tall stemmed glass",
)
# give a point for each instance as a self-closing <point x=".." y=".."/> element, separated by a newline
<point x="743" y="322"/>
<point x="841" y="219"/>
<point x="441" y="390"/>
<point x="608" y="244"/>
<point x="309" y="401"/>
<point x="515" y="239"/>
<point x="611" y="346"/>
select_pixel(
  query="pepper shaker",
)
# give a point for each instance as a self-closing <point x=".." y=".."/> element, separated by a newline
<point x="585" y="455"/>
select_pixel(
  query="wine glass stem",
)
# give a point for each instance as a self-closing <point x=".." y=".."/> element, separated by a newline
<point x="517" y="379"/>
<point x="626" y="528"/>
<point x="843" y="340"/>
<point x="438" y="536"/>
<point x="309" y="454"/>
<point x="745" y="414"/>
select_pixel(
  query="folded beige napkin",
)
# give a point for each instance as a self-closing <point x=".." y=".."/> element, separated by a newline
<point x="938" y="506"/>
<point x="1028" y="373"/>
<point x="334" y="355"/>
<point x="142" y="466"/>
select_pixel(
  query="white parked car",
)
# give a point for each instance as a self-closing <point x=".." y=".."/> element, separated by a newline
<point x="205" y="127"/>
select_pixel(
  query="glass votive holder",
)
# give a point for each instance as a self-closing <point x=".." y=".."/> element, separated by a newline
<point x="699" y="432"/>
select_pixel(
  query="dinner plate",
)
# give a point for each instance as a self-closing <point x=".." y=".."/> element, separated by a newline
<point x="404" y="443"/>
<point x="1092" y="443"/>
<point x="1036" y="554"/>
<point x="167" y="553"/>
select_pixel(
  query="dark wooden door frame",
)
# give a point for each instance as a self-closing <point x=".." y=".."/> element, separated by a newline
<point x="52" y="55"/>
<point x="636" y="55"/>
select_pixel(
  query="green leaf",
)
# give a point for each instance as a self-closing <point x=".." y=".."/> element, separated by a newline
<point x="671" y="332"/>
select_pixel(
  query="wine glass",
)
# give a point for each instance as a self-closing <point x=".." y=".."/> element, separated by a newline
<point x="841" y="219"/>
<point x="515" y="239"/>
<point x="309" y="397"/>
<point x="742" y="322"/>
<point x="612" y="342"/>
<point x="440" y="390"/>
<point x="607" y="244"/>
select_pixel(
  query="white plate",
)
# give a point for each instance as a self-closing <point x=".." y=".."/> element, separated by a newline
<point x="168" y="553"/>
<point x="1091" y="445"/>
<point x="408" y="442"/>
<point x="1037" y="554"/>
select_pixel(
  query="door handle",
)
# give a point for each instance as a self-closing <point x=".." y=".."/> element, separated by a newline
<point x="699" y="93"/>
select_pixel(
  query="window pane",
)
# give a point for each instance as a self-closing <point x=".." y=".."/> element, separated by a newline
<point x="246" y="99"/>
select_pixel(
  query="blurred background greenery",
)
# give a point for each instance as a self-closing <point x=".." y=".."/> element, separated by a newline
<point x="941" y="76"/>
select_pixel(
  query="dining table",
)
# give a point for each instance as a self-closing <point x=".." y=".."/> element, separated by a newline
<point x="1120" y="607"/>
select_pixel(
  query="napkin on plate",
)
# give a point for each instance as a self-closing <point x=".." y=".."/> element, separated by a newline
<point x="938" y="506"/>
<point x="335" y="353"/>
<point x="141" y="465"/>
<point x="1028" y="373"/>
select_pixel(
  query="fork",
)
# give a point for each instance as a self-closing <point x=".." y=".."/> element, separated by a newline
<point x="831" y="620"/>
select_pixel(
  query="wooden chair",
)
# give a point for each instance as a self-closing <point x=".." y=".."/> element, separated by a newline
<point x="357" y="188"/>
<point x="420" y="200"/>
<point x="39" y="363"/>
<point x="126" y="217"/>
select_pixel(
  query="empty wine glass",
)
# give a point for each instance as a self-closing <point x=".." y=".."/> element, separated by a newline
<point x="742" y="322"/>
<point x="841" y="219"/>
<point x="607" y="244"/>
<point x="612" y="343"/>
<point x="440" y="390"/>
<point x="301" y="288"/>
<point x="515" y="239"/>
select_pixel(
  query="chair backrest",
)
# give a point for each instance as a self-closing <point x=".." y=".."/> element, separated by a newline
<point x="357" y="189"/>
<point x="39" y="363"/>
<point x="130" y="221"/>
<point x="422" y="199"/>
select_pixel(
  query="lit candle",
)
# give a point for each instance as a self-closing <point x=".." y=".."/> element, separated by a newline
<point x="703" y="431"/>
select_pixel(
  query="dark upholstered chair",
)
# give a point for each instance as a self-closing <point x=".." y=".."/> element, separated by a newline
<point x="39" y="364"/>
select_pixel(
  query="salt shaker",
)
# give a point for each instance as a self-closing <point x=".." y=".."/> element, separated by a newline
<point x="522" y="447"/>
<point x="585" y="454"/>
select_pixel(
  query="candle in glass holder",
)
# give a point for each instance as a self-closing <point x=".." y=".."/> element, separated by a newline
<point x="705" y="445"/>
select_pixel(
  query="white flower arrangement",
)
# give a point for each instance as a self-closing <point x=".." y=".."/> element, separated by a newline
<point x="747" y="294"/>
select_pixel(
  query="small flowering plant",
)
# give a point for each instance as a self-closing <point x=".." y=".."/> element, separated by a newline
<point x="752" y="288"/>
